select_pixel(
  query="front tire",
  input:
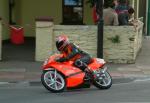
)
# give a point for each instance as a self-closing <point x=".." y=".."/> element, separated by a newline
<point x="53" y="81"/>
<point x="104" y="81"/>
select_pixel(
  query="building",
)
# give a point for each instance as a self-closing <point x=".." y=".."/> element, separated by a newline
<point x="24" y="12"/>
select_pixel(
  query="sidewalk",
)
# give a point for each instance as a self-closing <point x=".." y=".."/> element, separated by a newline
<point x="140" y="69"/>
<point x="16" y="71"/>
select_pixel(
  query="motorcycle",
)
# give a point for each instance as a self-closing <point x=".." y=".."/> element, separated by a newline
<point x="57" y="77"/>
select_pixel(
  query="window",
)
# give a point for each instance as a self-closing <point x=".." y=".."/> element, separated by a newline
<point x="73" y="12"/>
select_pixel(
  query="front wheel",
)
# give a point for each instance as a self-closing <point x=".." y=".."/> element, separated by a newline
<point x="104" y="81"/>
<point x="53" y="81"/>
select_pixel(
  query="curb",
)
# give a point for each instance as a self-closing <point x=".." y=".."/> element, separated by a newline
<point x="38" y="83"/>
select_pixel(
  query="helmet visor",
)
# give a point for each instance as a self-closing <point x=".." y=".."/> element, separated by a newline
<point x="59" y="45"/>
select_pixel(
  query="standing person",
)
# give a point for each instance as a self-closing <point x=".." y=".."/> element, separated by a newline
<point x="124" y="17"/>
<point x="116" y="3"/>
<point x="95" y="15"/>
<point x="109" y="14"/>
<point x="122" y="6"/>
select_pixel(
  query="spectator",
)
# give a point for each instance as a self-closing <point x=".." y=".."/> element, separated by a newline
<point x="116" y="3"/>
<point x="109" y="14"/>
<point x="94" y="15"/>
<point x="122" y="7"/>
<point x="124" y="17"/>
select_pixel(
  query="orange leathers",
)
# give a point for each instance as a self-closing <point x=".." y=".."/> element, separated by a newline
<point x="71" y="52"/>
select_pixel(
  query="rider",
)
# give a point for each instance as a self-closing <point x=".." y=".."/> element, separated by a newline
<point x="72" y="52"/>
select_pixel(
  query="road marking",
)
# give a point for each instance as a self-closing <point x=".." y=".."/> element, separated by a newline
<point x="132" y="102"/>
<point x="142" y="80"/>
<point x="2" y="83"/>
<point x="122" y="83"/>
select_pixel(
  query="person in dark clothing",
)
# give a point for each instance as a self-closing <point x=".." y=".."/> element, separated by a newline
<point x="122" y="6"/>
<point x="124" y="17"/>
<point x="72" y="52"/>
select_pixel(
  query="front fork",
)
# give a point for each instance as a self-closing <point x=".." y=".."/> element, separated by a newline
<point x="100" y="73"/>
<point x="104" y="69"/>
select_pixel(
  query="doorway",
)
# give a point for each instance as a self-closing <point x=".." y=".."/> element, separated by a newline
<point x="72" y="12"/>
<point x="22" y="52"/>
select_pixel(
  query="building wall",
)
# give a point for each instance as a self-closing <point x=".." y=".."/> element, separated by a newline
<point x="142" y="12"/>
<point x="4" y="14"/>
<point x="27" y="10"/>
<point x="87" y="14"/>
<point x="17" y="12"/>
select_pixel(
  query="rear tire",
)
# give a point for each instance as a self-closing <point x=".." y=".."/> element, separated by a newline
<point x="103" y="82"/>
<point x="53" y="81"/>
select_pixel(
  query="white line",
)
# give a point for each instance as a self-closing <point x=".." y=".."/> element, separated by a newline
<point x="2" y="83"/>
<point x="142" y="80"/>
<point x="132" y="102"/>
<point x="122" y="83"/>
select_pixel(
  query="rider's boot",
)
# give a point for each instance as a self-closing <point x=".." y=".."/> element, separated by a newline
<point x="88" y="74"/>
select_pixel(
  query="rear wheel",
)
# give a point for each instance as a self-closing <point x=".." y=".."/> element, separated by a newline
<point x="104" y="81"/>
<point x="53" y="81"/>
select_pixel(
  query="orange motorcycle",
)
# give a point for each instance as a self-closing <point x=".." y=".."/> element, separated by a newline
<point x="56" y="76"/>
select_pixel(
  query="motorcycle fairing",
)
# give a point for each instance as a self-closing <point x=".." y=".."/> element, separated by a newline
<point x="95" y="64"/>
<point x="74" y="76"/>
<point x="65" y="68"/>
<point x="75" y="80"/>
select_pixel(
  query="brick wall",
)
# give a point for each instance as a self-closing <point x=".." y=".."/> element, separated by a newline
<point x="84" y="36"/>
<point x="121" y="43"/>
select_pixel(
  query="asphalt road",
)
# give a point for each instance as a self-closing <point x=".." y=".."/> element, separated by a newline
<point x="137" y="91"/>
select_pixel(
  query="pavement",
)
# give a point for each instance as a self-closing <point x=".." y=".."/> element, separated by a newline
<point x="13" y="71"/>
<point x="140" y="69"/>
